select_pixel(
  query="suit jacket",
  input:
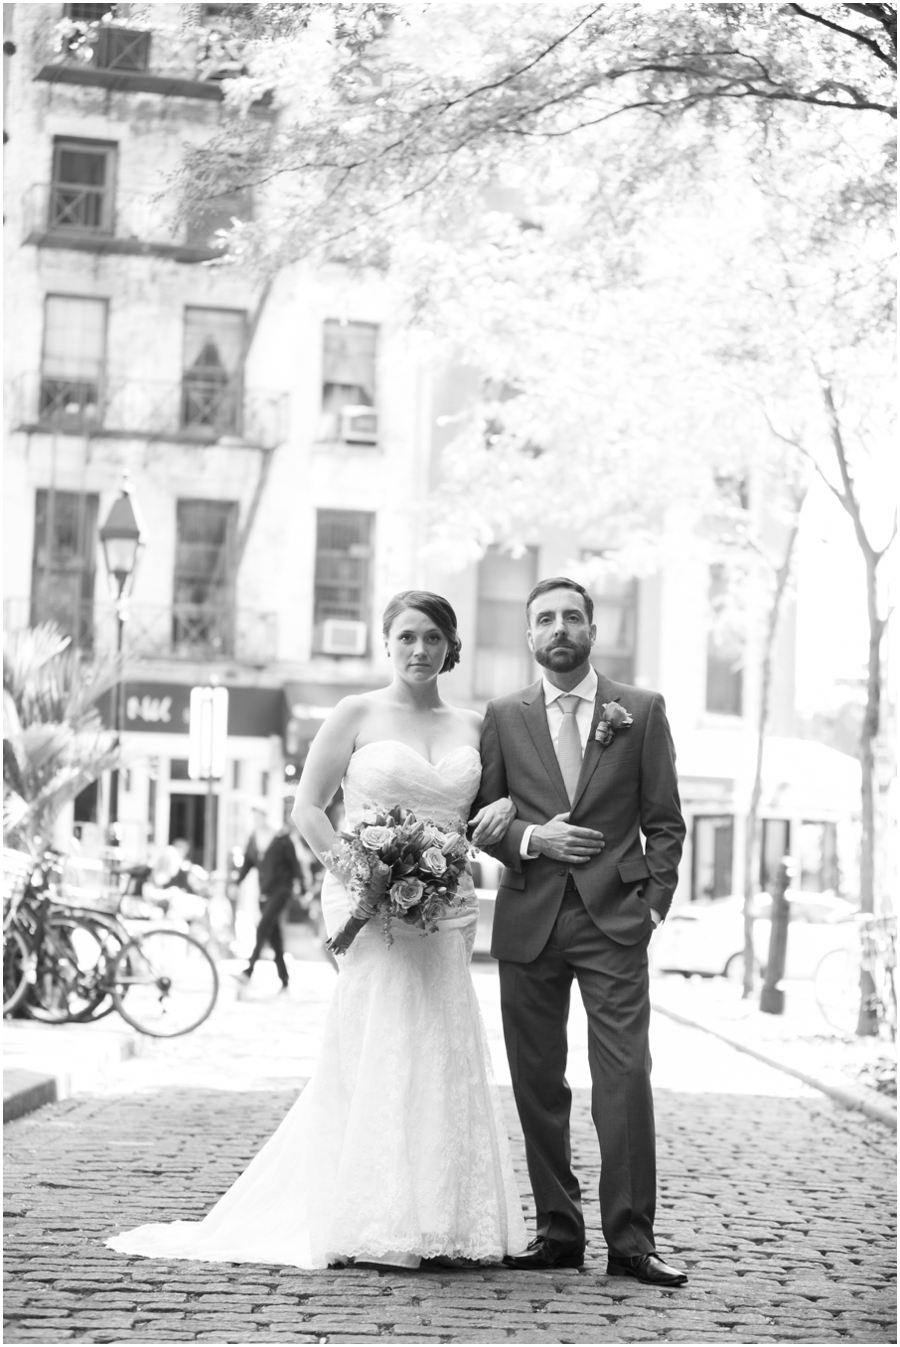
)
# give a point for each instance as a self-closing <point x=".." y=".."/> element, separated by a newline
<point x="625" y="789"/>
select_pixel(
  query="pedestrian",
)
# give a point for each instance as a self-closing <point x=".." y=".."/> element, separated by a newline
<point x="274" y="856"/>
<point x="590" y="767"/>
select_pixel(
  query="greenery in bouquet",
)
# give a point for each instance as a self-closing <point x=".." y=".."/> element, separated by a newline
<point x="397" y="866"/>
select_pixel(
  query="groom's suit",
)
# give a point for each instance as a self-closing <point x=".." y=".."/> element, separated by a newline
<point x="591" y="921"/>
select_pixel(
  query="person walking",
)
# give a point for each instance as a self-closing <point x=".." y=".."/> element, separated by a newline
<point x="590" y="767"/>
<point x="274" y="856"/>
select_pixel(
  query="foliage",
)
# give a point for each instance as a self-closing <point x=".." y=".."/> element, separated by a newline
<point x="54" y="743"/>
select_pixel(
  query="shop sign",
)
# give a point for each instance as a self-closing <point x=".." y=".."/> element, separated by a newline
<point x="164" y="708"/>
<point x="157" y="706"/>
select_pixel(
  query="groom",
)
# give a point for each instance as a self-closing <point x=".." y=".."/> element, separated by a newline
<point x="590" y="766"/>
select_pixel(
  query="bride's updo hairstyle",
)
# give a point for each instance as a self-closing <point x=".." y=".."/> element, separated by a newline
<point x="435" y="608"/>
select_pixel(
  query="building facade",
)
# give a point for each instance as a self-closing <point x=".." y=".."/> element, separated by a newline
<point x="280" y="439"/>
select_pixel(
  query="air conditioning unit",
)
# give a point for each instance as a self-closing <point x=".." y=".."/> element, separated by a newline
<point x="343" y="637"/>
<point x="359" y="425"/>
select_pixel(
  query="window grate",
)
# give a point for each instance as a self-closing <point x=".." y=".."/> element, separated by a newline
<point x="64" y="560"/>
<point x="81" y="192"/>
<point x="203" y="611"/>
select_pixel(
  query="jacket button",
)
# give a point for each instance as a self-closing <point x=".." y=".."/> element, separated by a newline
<point x="561" y="870"/>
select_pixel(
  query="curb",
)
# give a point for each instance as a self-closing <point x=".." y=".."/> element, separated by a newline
<point x="25" y="1091"/>
<point x="842" y="1094"/>
<point x="43" y="1064"/>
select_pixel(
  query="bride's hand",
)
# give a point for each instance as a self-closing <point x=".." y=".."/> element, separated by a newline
<point x="490" y="823"/>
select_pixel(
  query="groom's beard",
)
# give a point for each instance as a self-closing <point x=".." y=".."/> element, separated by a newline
<point x="564" y="656"/>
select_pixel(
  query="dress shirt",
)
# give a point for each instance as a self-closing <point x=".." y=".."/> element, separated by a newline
<point x="587" y="692"/>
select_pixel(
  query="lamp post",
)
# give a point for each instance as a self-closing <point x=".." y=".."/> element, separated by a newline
<point x="122" y="538"/>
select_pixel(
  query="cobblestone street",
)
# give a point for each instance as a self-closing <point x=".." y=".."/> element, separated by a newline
<point x="779" y="1203"/>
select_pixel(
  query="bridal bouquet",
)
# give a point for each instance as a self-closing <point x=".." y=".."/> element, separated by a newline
<point x="396" y="865"/>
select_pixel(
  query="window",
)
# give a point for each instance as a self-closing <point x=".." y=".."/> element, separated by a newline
<point x="348" y="381"/>
<point x="615" y="617"/>
<point x="818" y="855"/>
<point x="122" y="49"/>
<point x="73" y="360"/>
<point x="341" y="607"/>
<point x="211" y="400"/>
<point x="502" y="658"/>
<point x="88" y="13"/>
<point x="65" y="549"/>
<point x="724" y="676"/>
<point x="81" y="193"/>
<point x="713" y="850"/>
<point x="203" y="613"/>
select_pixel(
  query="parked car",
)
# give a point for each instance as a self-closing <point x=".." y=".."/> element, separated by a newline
<point x="707" y="936"/>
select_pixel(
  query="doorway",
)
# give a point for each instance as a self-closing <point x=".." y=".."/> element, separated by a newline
<point x="187" y="815"/>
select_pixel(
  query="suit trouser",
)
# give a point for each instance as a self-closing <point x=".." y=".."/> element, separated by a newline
<point x="614" y="984"/>
<point x="269" y="932"/>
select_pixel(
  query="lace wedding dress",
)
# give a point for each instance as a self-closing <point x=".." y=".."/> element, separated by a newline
<point x="396" y="1150"/>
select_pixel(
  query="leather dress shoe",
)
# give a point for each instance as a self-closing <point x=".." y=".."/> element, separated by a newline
<point x="646" y="1267"/>
<point x="544" y="1252"/>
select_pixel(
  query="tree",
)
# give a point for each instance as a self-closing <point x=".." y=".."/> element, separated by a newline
<point x="541" y="180"/>
<point x="54" y="742"/>
<point x="385" y="113"/>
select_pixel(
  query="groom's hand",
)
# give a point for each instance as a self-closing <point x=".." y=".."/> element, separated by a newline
<point x="563" y="841"/>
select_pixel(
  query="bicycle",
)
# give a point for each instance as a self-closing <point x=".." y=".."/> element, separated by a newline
<point x="838" y="977"/>
<point x="81" y="963"/>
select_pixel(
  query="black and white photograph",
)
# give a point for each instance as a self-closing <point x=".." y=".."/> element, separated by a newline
<point x="449" y="673"/>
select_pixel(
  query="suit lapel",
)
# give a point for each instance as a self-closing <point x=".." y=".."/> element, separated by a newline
<point x="535" y="714"/>
<point x="593" y="751"/>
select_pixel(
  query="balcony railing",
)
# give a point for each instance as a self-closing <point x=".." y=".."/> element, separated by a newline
<point x="195" y="410"/>
<point x="189" y="631"/>
<point x="92" y="218"/>
<point x="168" y="61"/>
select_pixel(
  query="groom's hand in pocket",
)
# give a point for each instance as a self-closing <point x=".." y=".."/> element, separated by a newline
<point x="564" y="841"/>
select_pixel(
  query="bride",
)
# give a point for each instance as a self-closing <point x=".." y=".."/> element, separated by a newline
<point x="396" y="1150"/>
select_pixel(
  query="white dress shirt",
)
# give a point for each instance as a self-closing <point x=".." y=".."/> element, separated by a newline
<point x="587" y="692"/>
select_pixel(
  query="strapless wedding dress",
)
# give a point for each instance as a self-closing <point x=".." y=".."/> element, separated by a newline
<point x="396" y="1150"/>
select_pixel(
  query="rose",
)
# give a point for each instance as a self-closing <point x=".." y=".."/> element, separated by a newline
<point x="616" y="716"/>
<point x="433" y="837"/>
<point x="432" y="860"/>
<point x="374" y="838"/>
<point x="406" y="893"/>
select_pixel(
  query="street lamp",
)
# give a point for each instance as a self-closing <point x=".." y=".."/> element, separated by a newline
<point x="122" y="538"/>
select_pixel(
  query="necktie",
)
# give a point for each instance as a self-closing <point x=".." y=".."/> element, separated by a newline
<point x="568" y="748"/>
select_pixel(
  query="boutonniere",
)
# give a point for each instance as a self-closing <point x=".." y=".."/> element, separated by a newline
<point x="614" y="717"/>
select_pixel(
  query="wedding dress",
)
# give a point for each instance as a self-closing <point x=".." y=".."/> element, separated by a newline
<point x="396" y="1150"/>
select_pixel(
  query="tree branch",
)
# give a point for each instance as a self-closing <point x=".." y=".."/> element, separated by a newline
<point x="847" y="32"/>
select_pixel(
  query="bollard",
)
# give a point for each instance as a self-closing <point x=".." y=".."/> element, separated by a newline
<point x="771" y="999"/>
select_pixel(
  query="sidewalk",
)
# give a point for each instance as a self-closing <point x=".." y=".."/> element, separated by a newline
<point x="43" y="1063"/>
<point x="799" y="1042"/>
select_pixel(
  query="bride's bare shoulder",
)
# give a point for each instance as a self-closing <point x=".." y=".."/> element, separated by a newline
<point x="469" y="720"/>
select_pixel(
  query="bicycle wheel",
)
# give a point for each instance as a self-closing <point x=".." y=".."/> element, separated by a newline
<point x="112" y="943"/>
<point x="164" y="983"/>
<point x="837" y="989"/>
<point x="16" y="958"/>
<point x="68" y="979"/>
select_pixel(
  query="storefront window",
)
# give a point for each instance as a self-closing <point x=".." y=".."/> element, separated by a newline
<point x="776" y="843"/>
<point x="713" y="851"/>
<point x="818" y="869"/>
